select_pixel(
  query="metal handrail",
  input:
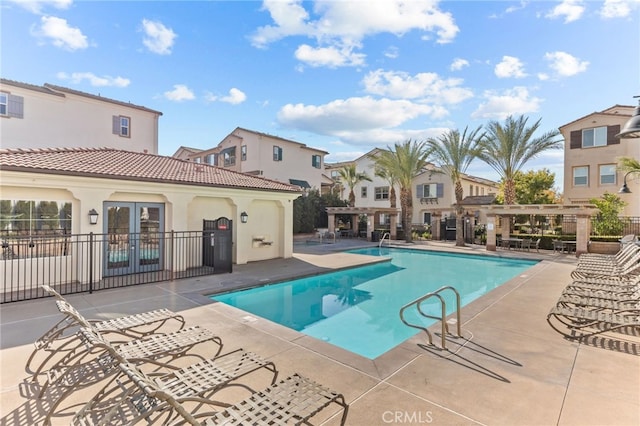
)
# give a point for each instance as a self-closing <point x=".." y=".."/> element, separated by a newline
<point x="385" y="235"/>
<point x="445" y="327"/>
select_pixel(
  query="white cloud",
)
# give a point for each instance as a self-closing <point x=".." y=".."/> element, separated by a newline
<point x="61" y="34"/>
<point x="427" y="87"/>
<point x="564" y="64"/>
<point x="331" y="57"/>
<point x="94" y="80"/>
<point x="340" y="26"/>
<point x="509" y="102"/>
<point x="392" y="52"/>
<point x="616" y="9"/>
<point x="571" y="10"/>
<point x="510" y="67"/>
<point x="36" y="6"/>
<point x="158" y="38"/>
<point x="235" y="97"/>
<point x="458" y="64"/>
<point x="179" y="93"/>
<point x="364" y="119"/>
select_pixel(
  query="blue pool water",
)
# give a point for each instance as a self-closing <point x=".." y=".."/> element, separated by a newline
<point x="358" y="309"/>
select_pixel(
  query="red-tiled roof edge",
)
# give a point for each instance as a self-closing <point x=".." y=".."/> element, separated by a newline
<point x="277" y="185"/>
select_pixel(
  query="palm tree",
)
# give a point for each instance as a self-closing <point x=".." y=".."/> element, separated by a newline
<point x="350" y="177"/>
<point x="509" y="146"/>
<point x="405" y="161"/>
<point x="629" y="164"/>
<point x="391" y="180"/>
<point x="454" y="153"/>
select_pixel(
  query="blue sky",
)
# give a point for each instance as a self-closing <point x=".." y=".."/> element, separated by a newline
<point x="342" y="76"/>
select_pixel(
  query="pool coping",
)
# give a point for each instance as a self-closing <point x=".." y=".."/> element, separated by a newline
<point x="389" y="362"/>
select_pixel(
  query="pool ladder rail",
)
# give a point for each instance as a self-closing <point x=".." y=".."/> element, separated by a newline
<point x="445" y="326"/>
<point x="387" y="236"/>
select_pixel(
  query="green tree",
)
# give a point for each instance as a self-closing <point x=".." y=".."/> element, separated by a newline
<point x="404" y="161"/>
<point x="535" y="187"/>
<point x="608" y="221"/>
<point x="309" y="211"/>
<point x="350" y="177"/>
<point x="509" y="146"/>
<point x="454" y="152"/>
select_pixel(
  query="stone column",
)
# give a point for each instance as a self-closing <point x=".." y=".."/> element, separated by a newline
<point x="583" y="230"/>
<point x="491" y="232"/>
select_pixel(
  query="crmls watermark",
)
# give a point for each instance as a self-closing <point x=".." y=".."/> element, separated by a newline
<point x="407" y="417"/>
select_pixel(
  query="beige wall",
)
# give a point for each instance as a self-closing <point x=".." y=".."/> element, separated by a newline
<point x="295" y="164"/>
<point x="72" y="121"/>
<point x="594" y="157"/>
<point x="270" y="213"/>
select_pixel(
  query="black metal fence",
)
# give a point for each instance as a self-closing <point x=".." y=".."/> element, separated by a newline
<point x="74" y="263"/>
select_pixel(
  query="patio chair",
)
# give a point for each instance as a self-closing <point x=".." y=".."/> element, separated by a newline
<point x="625" y="253"/>
<point x="526" y="244"/>
<point x="630" y="266"/>
<point x="73" y="373"/>
<point x="597" y="303"/>
<point x="195" y="383"/>
<point x="599" y="293"/>
<point x="294" y="399"/>
<point x="134" y="326"/>
<point x="558" y="245"/>
<point x="582" y="322"/>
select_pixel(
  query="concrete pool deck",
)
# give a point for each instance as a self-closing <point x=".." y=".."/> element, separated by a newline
<point x="510" y="367"/>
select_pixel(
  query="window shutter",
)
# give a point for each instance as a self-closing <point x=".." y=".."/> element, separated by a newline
<point x="440" y="190"/>
<point x="15" y="106"/>
<point x="420" y="191"/>
<point x="612" y="131"/>
<point x="116" y="125"/>
<point x="575" y="139"/>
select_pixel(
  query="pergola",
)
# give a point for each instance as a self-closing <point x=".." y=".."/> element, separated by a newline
<point x="582" y="212"/>
<point x="355" y="213"/>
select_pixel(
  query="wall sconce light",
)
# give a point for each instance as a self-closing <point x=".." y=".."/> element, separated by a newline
<point x="631" y="128"/>
<point x="625" y="189"/>
<point x="244" y="217"/>
<point x="93" y="216"/>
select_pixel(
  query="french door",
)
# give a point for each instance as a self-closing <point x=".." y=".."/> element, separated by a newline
<point x="134" y="238"/>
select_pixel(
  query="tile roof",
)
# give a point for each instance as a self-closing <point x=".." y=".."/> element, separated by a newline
<point x="125" y="165"/>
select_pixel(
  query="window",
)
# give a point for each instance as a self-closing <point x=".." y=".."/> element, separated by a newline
<point x="28" y="217"/>
<point x="122" y="126"/>
<point x="277" y="153"/>
<point x="581" y="176"/>
<point x="197" y="160"/>
<point x="315" y="161"/>
<point x="430" y="190"/>
<point x="243" y="153"/>
<point x="363" y="192"/>
<point x="335" y="175"/>
<point x="381" y="193"/>
<point x="229" y="156"/>
<point x="470" y="190"/>
<point x="210" y="159"/>
<point x="607" y="174"/>
<point x="11" y="105"/>
<point x="426" y="218"/>
<point x="594" y="137"/>
<point x="4" y="103"/>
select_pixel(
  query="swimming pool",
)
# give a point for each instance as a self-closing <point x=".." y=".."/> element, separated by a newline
<point x="357" y="309"/>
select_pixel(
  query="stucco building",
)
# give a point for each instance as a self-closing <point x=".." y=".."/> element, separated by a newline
<point x="591" y="153"/>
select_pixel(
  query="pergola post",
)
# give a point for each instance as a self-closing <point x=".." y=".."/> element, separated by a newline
<point x="491" y="232"/>
<point x="393" y="227"/>
<point x="583" y="223"/>
<point x="436" y="217"/>
<point x="332" y="222"/>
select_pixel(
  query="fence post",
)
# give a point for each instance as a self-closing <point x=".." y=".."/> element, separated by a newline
<point x="90" y="262"/>
<point x="171" y="255"/>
